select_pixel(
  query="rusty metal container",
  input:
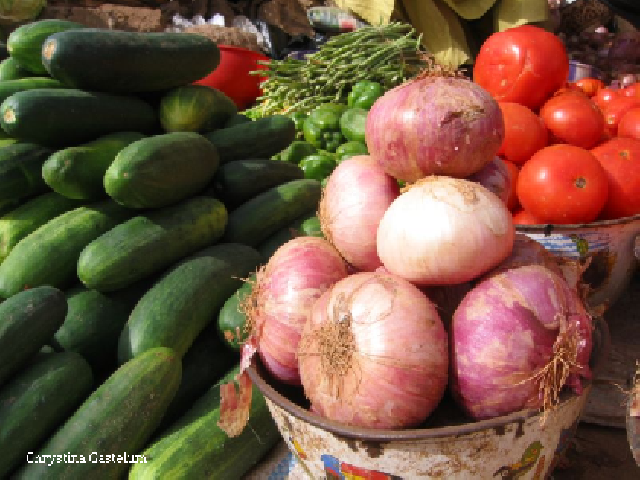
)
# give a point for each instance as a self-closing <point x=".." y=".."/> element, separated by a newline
<point x="520" y="445"/>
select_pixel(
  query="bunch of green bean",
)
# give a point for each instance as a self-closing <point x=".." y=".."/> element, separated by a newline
<point x="389" y="54"/>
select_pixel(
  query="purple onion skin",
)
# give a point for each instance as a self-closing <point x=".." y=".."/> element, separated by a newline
<point x="434" y="126"/>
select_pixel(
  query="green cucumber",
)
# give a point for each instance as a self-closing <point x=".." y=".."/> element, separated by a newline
<point x="195" y="108"/>
<point x="25" y="42"/>
<point x="128" y="62"/>
<point x="161" y="170"/>
<point x="115" y="421"/>
<point x="21" y="170"/>
<point x="261" y="138"/>
<point x="236" y="119"/>
<point x="9" y="87"/>
<point x="37" y="401"/>
<point x="197" y="448"/>
<point x="231" y="320"/>
<point x="25" y="218"/>
<point x="181" y="304"/>
<point x="49" y="254"/>
<point x="305" y="225"/>
<point x="255" y="220"/>
<point x="236" y="182"/>
<point x="29" y="320"/>
<point x="78" y="171"/>
<point x="10" y="69"/>
<point x="63" y="117"/>
<point x="149" y="243"/>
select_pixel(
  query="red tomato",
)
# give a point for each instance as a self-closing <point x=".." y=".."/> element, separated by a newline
<point x="574" y="119"/>
<point x="563" y="184"/>
<point x="522" y="217"/>
<point x="620" y="157"/>
<point x="523" y="65"/>
<point x="632" y="90"/>
<point x="615" y="109"/>
<point x="512" y="201"/>
<point x="524" y="133"/>
<point x="589" y="85"/>
<point x="604" y="96"/>
<point x="629" y="125"/>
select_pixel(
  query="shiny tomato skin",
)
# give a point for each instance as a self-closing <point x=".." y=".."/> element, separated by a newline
<point x="523" y="65"/>
<point x="615" y="109"/>
<point x="563" y="184"/>
<point x="589" y="85"/>
<point x="574" y="119"/>
<point x="512" y="201"/>
<point x="629" y="125"/>
<point x="522" y="217"/>
<point x="524" y="133"/>
<point x="604" y="96"/>
<point x="620" y="158"/>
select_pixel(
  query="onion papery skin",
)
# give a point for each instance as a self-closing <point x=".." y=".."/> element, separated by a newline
<point x="396" y="369"/>
<point x="285" y="291"/>
<point x="356" y="195"/>
<point x="496" y="178"/>
<point x="434" y="126"/>
<point x="444" y="231"/>
<point x="503" y="334"/>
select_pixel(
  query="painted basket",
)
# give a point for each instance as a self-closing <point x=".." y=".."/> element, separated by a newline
<point x="519" y="445"/>
<point x="633" y="416"/>
<point x="612" y="248"/>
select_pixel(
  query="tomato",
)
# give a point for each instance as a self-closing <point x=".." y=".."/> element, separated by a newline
<point x="512" y="201"/>
<point x="615" y="109"/>
<point x="563" y="184"/>
<point x="589" y="85"/>
<point x="574" y="119"/>
<point x="629" y="125"/>
<point x="524" y="133"/>
<point x="620" y="158"/>
<point x="632" y="90"/>
<point x="522" y="217"/>
<point x="523" y="65"/>
<point x="604" y="96"/>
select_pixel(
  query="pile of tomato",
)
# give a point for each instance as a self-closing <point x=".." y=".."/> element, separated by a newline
<point x="573" y="149"/>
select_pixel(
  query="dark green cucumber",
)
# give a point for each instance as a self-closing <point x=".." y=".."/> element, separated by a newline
<point x="37" y="401"/>
<point x="21" y="170"/>
<point x="117" y="419"/>
<point x="25" y="218"/>
<point x="49" y="254"/>
<point x="236" y="119"/>
<point x="149" y="243"/>
<point x="261" y="138"/>
<point x="29" y="320"/>
<point x="232" y="321"/>
<point x="197" y="448"/>
<point x="181" y="304"/>
<point x="128" y="62"/>
<point x="25" y="42"/>
<point x="236" y="182"/>
<point x="63" y="117"/>
<point x="78" y="172"/>
<point x="255" y="220"/>
<point x="10" y="69"/>
<point x="9" y="87"/>
<point x="305" y="225"/>
<point x="161" y="170"/>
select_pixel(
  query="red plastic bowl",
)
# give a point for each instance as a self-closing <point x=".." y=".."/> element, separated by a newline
<point x="232" y="77"/>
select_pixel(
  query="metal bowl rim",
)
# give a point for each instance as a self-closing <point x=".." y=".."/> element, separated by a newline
<point x="553" y="227"/>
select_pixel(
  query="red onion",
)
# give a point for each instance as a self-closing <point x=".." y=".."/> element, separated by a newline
<point x="517" y="339"/>
<point x="496" y="178"/>
<point x="356" y="195"/>
<point x="526" y="251"/>
<point x="444" y="231"/>
<point x="374" y="353"/>
<point x="281" y="300"/>
<point x="434" y="125"/>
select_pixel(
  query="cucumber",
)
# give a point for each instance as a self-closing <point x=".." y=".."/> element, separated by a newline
<point x="63" y="117"/>
<point x="25" y="218"/>
<point x="161" y="170"/>
<point x="78" y="172"/>
<point x="255" y="220"/>
<point x="180" y="305"/>
<point x="305" y="225"/>
<point x="28" y="321"/>
<point x="9" y="87"/>
<point x="21" y="170"/>
<point x="236" y="182"/>
<point x="197" y="448"/>
<point x="261" y="138"/>
<point x="37" y="401"/>
<point x="236" y="119"/>
<point x="128" y="62"/>
<point x="115" y="421"/>
<point x="195" y="108"/>
<point x="25" y="42"/>
<point x="10" y="69"/>
<point x="232" y="320"/>
<point x="49" y="254"/>
<point x="149" y="243"/>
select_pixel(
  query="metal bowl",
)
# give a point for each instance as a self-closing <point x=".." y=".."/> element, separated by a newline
<point x="520" y="445"/>
<point x="612" y="248"/>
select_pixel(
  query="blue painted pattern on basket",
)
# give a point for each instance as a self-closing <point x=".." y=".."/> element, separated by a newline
<point x="567" y="245"/>
<point x="283" y="469"/>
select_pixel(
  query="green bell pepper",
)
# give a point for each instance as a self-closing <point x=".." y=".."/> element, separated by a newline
<point x="351" y="149"/>
<point x="363" y="94"/>
<point x="352" y="124"/>
<point x="298" y="119"/>
<point x="296" y="151"/>
<point x="322" y="128"/>
<point x="318" y="166"/>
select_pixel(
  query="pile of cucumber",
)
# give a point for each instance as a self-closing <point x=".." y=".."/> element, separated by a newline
<point x="133" y="206"/>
